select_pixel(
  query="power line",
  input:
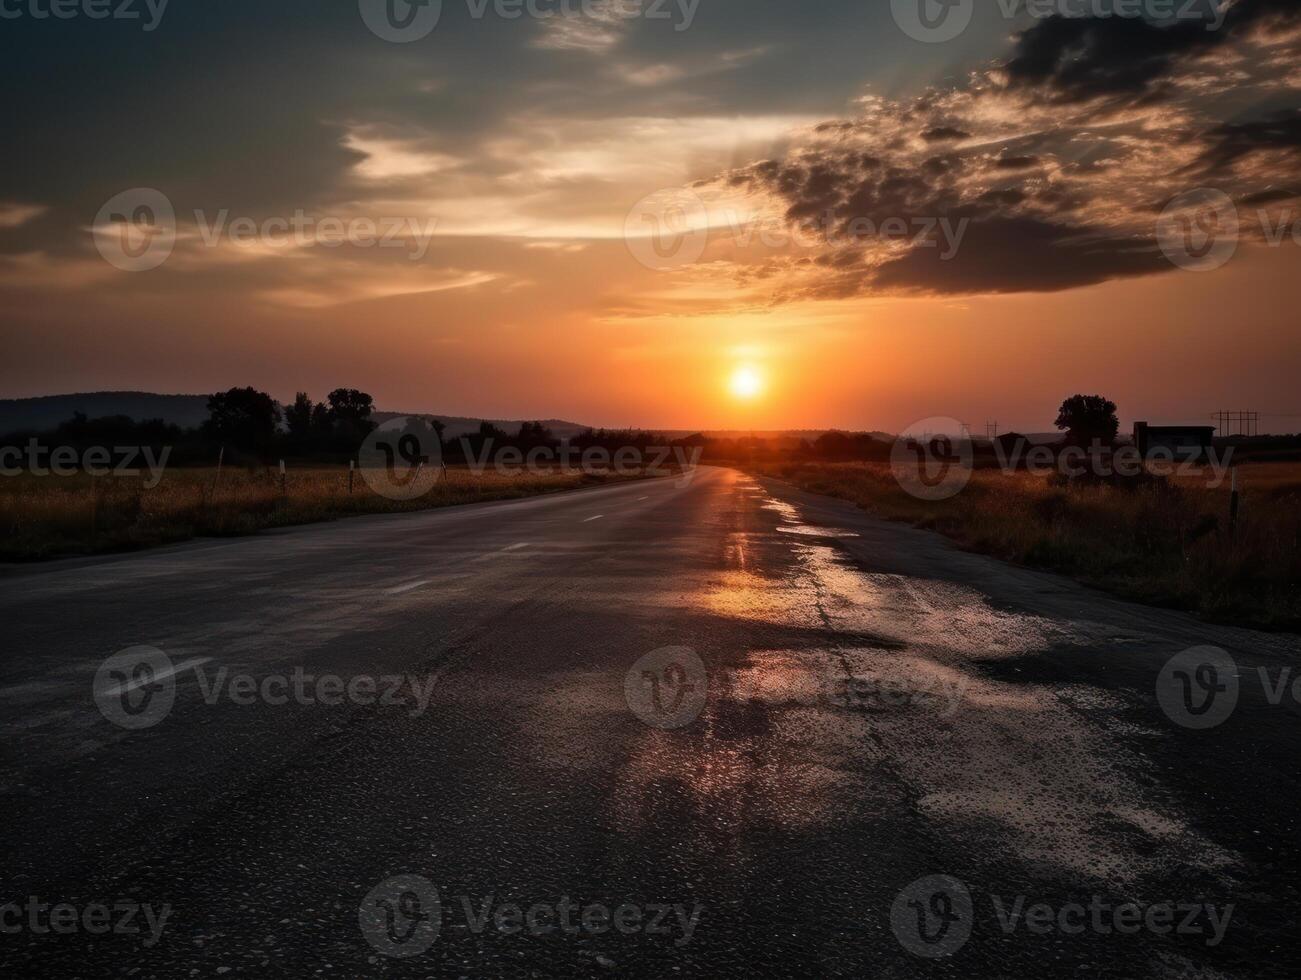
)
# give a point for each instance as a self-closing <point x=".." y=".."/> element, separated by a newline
<point x="1239" y="423"/>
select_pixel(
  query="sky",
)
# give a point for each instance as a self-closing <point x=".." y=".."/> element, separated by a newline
<point x="603" y="210"/>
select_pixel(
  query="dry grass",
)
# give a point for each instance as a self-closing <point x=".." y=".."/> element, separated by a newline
<point x="1166" y="543"/>
<point x="49" y="516"/>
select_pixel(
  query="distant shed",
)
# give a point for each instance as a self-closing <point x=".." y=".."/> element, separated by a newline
<point x="1183" y="441"/>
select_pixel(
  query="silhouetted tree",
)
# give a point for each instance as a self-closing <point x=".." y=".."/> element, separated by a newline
<point x="350" y="405"/>
<point x="242" y="417"/>
<point x="1088" y="417"/>
<point x="322" y="420"/>
<point x="834" y="445"/>
<point x="533" y="434"/>
<point x="349" y="418"/>
<point x="298" y="418"/>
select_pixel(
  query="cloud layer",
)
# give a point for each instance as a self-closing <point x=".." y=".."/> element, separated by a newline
<point x="1055" y="161"/>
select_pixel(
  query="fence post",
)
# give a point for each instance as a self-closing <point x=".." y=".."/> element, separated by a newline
<point x="1233" y="500"/>
<point x="284" y="493"/>
<point x="351" y="464"/>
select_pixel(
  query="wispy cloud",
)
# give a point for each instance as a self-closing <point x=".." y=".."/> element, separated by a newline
<point x="12" y="215"/>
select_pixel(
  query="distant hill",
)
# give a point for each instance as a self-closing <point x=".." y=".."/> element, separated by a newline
<point x="456" y="426"/>
<point x="188" y="411"/>
<point x="45" y="413"/>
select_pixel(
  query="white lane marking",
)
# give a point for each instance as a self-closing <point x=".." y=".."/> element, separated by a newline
<point x="162" y="675"/>
<point x="399" y="589"/>
<point x="588" y="520"/>
<point x="643" y="498"/>
<point x="502" y="551"/>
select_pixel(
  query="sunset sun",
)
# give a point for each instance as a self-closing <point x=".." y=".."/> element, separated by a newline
<point x="746" y="383"/>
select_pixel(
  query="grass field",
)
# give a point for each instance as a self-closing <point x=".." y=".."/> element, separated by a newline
<point x="49" y="516"/>
<point x="1166" y="543"/>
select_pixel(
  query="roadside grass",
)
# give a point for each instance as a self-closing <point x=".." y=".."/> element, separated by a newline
<point x="52" y="516"/>
<point x="1166" y="542"/>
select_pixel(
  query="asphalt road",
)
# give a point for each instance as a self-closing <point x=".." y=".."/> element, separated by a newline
<point x="860" y="708"/>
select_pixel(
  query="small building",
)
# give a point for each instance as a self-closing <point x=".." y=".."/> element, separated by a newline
<point x="1183" y="441"/>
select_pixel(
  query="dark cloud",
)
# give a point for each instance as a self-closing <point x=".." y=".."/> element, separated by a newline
<point x="1275" y="196"/>
<point x="1068" y="151"/>
<point x="1081" y="58"/>
<point x="1005" y="255"/>
<point x="1232" y="142"/>
<point x="942" y="134"/>
<point x="1016" y="163"/>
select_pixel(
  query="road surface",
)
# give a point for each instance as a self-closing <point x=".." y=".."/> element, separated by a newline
<point x="891" y="759"/>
